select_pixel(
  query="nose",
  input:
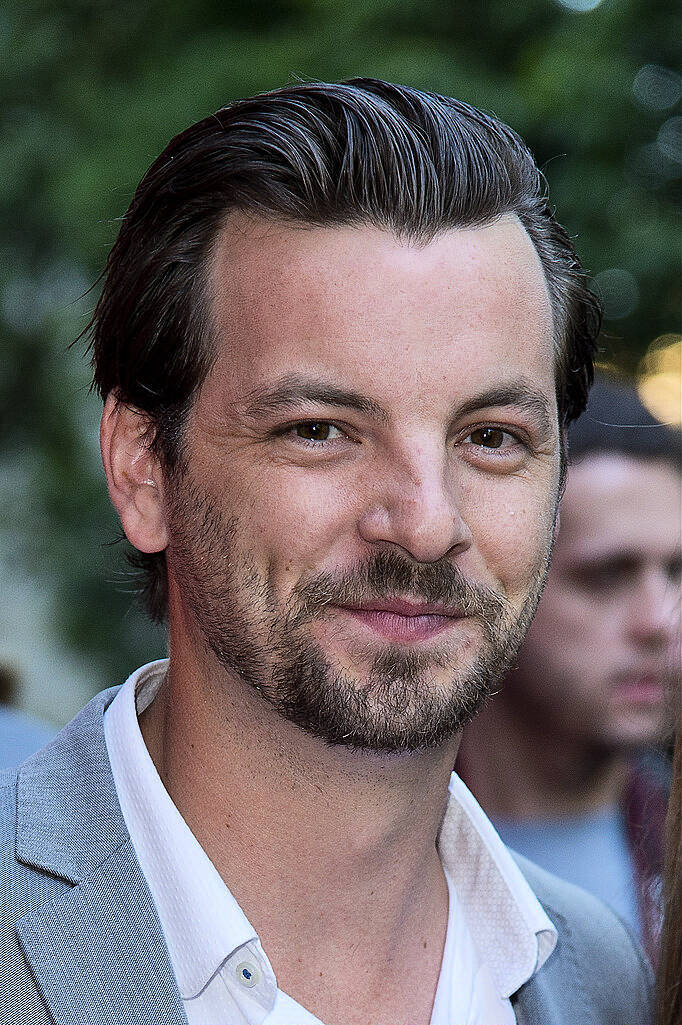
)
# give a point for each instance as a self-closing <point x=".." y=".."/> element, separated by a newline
<point x="655" y="609"/>
<point x="417" y="510"/>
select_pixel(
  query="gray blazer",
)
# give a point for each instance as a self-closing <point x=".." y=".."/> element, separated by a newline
<point x="81" y="943"/>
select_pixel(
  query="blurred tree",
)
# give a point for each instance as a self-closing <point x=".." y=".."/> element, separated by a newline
<point x="93" y="90"/>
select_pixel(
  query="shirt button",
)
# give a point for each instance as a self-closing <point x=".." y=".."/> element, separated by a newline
<point x="248" y="974"/>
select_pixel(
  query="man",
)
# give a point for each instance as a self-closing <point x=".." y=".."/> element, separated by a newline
<point x="556" y="757"/>
<point x="339" y="335"/>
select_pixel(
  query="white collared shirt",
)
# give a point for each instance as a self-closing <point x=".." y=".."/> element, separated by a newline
<point x="498" y="935"/>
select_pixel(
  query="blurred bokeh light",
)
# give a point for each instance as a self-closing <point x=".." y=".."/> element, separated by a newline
<point x="580" y="5"/>
<point x="657" y="88"/>
<point x="669" y="139"/>
<point x="659" y="379"/>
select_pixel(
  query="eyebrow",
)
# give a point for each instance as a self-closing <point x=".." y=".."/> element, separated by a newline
<point x="293" y="390"/>
<point x="520" y="395"/>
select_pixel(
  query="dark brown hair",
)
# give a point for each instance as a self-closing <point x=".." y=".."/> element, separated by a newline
<point x="363" y="151"/>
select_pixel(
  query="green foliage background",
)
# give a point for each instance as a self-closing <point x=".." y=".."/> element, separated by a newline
<point x="92" y="91"/>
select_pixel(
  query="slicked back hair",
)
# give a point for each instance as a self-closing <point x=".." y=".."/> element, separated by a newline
<point x="360" y="152"/>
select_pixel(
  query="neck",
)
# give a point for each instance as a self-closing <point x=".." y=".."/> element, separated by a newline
<point x="333" y="846"/>
<point x="519" y="770"/>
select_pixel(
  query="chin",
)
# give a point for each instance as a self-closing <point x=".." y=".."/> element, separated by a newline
<point x="632" y="738"/>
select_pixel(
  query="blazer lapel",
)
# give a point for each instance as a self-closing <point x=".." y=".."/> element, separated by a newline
<point x="96" y="949"/>
<point x="98" y="954"/>
<point x="558" y="992"/>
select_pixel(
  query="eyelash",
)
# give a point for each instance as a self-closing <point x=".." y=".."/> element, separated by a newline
<point x="515" y="439"/>
<point x="290" y="430"/>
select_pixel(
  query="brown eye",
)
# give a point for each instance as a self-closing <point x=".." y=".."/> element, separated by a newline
<point x="313" y="430"/>
<point x="488" y="437"/>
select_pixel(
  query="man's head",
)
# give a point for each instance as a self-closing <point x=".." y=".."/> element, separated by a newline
<point x="603" y="651"/>
<point x="339" y="335"/>
<point x="363" y="152"/>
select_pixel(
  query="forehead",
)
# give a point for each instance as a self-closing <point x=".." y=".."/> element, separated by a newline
<point x="614" y="502"/>
<point x="344" y="300"/>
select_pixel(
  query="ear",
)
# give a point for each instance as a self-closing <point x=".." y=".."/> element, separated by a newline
<point x="134" y="476"/>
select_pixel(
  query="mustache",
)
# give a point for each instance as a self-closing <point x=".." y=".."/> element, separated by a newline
<point x="391" y="575"/>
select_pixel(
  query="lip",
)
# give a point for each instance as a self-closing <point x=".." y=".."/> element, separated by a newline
<point x="642" y="688"/>
<point x="404" y="607"/>
<point x="403" y="621"/>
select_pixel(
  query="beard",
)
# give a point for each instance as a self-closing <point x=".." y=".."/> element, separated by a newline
<point x="401" y="700"/>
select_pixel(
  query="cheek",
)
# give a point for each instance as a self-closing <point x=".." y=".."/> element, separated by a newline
<point x="512" y="531"/>
<point x="562" y="661"/>
<point x="294" y="524"/>
<point x="570" y="636"/>
<point x="565" y="625"/>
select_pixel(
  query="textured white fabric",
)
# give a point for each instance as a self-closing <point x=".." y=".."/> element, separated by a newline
<point x="466" y="993"/>
<point x="498" y="935"/>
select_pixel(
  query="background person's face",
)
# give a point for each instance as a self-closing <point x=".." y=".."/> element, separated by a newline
<point x="603" y="652"/>
<point x="380" y="424"/>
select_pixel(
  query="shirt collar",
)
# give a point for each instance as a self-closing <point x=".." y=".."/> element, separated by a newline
<point x="204" y="925"/>
<point x="507" y="922"/>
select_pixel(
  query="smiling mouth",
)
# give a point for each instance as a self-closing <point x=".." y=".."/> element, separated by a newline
<point x="400" y="620"/>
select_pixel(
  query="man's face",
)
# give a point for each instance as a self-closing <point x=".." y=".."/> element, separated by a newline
<point x="603" y="651"/>
<point x="362" y="524"/>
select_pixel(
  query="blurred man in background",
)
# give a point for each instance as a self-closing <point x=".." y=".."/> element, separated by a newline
<point x="556" y="758"/>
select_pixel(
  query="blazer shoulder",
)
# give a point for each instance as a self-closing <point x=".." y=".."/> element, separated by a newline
<point x="23" y="890"/>
<point x="22" y="886"/>
<point x="8" y="779"/>
<point x="49" y="832"/>
<point x="596" y="954"/>
<point x="8" y="833"/>
<point x="8" y="806"/>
